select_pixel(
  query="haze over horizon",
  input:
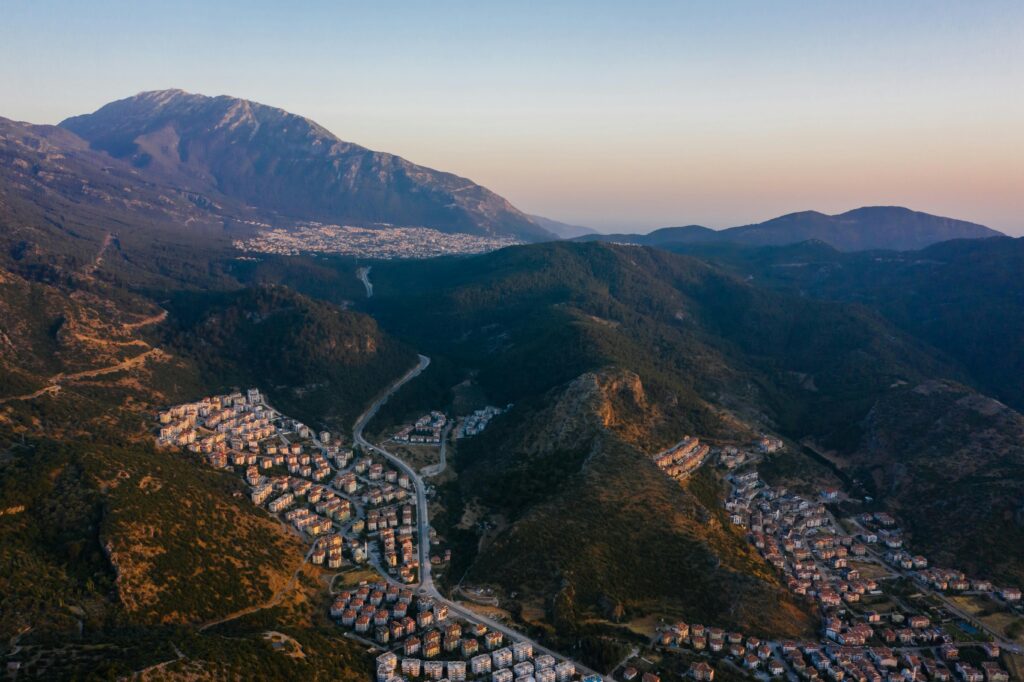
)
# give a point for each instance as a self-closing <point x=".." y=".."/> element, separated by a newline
<point x="619" y="118"/>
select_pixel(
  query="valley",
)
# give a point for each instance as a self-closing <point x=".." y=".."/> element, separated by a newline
<point x="274" y="405"/>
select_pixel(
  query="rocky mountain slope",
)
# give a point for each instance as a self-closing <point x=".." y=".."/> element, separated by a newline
<point x="611" y="353"/>
<point x="289" y="166"/>
<point x="862" y="229"/>
<point x="588" y="535"/>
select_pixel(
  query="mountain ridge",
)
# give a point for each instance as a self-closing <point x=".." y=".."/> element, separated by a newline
<point x="860" y="229"/>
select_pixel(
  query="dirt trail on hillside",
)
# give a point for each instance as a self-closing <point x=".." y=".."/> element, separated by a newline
<point x="54" y="382"/>
<point x="152" y="319"/>
<point x="108" y="239"/>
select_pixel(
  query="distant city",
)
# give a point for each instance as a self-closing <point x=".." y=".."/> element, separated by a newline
<point x="366" y="242"/>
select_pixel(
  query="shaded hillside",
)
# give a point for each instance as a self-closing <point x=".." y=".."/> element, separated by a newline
<point x="114" y="552"/>
<point x="862" y="229"/>
<point x="951" y="462"/>
<point x="313" y="359"/>
<point x="560" y="229"/>
<point x="66" y="211"/>
<point x="532" y="318"/>
<point x="605" y="515"/>
<point x="287" y="165"/>
<point x="105" y="533"/>
<point x="964" y="297"/>
<point x="610" y="352"/>
<point x="665" y="236"/>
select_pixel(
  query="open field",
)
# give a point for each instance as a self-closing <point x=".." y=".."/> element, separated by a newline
<point x="416" y="456"/>
<point x="870" y="570"/>
<point x="992" y="614"/>
<point x="353" y="577"/>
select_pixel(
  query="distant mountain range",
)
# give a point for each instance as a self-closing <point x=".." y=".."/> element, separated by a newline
<point x="187" y="161"/>
<point x="873" y="227"/>
<point x="234" y="151"/>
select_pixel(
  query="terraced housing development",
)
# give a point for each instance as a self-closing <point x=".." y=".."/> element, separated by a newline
<point x="886" y="615"/>
<point x="338" y="501"/>
<point x="356" y="510"/>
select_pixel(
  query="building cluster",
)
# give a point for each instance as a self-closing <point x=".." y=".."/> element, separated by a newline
<point x="820" y="561"/>
<point x="380" y="242"/>
<point x="426" y="430"/>
<point x="347" y="506"/>
<point x="357" y="508"/>
<point x="827" y="660"/>
<point x="680" y="460"/>
<point x="426" y="641"/>
<point x="880" y="528"/>
<point x="214" y="426"/>
<point x="748" y="652"/>
<point x="473" y="424"/>
<point x="769" y="444"/>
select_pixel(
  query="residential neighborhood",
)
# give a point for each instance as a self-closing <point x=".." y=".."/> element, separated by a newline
<point x="379" y="242"/>
<point x="886" y="614"/>
<point x="475" y="423"/>
<point x="357" y="510"/>
<point x="352" y="509"/>
<point x="426" y="430"/>
<point x="884" y="610"/>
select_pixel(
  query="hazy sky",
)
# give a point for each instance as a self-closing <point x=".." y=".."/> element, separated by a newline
<point x="617" y="115"/>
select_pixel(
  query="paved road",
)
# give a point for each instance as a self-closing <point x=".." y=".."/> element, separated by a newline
<point x="364" y="275"/>
<point x="426" y="584"/>
<point x="437" y="469"/>
<point x="949" y="603"/>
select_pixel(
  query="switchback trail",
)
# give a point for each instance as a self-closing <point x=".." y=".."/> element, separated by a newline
<point x="53" y="384"/>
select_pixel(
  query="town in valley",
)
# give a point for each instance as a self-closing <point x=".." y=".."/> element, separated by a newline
<point x="886" y="613"/>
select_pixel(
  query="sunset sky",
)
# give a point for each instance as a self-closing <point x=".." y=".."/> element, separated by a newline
<point x="621" y="116"/>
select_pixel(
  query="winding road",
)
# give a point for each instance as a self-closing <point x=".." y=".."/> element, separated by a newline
<point x="364" y="276"/>
<point x="426" y="586"/>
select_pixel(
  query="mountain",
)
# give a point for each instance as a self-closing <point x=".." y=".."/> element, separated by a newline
<point x="610" y="353"/>
<point x="60" y="201"/>
<point x="940" y="452"/>
<point x="120" y="293"/>
<point x="862" y="229"/>
<point x="964" y="297"/>
<point x="562" y="230"/>
<point x="288" y="166"/>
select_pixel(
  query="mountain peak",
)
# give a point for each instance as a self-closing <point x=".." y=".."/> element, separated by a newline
<point x="288" y="166"/>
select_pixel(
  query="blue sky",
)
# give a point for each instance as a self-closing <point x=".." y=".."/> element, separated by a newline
<point x="618" y="115"/>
